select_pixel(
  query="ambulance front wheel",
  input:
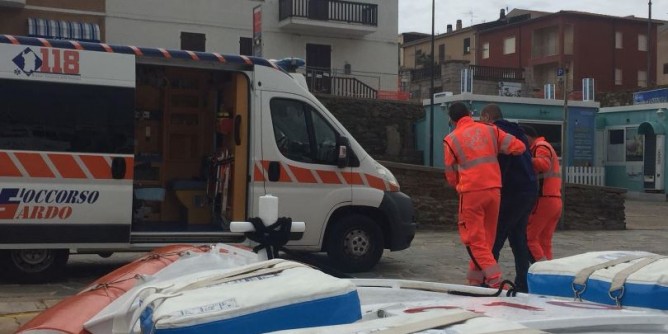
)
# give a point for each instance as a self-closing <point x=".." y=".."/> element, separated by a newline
<point x="355" y="243"/>
<point x="34" y="265"/>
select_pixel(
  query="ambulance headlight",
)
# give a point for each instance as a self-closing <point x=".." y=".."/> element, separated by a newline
<point x="387" y="175"/>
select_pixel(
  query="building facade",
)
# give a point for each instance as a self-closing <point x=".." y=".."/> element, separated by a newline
<point x="631" y="146"/>
<point x="455" y="50"/>
<point x="613" y="50"/>
<point x="344" y="43"/>
<point x="350" y="48"/>
<point x="528" y="48"/>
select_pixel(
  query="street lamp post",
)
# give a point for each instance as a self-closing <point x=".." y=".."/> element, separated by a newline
<point x="649" y="45"/>
<point x="431" y="89"/>
<point x="564" y="149"/>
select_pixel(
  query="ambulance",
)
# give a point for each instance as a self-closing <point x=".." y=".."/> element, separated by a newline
<point x="107" y="148"/>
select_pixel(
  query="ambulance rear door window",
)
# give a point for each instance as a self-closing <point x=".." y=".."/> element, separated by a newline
<point x="45" y="116"/>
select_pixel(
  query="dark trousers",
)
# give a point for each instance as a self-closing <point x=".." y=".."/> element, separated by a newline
<point x="513" y="218"/>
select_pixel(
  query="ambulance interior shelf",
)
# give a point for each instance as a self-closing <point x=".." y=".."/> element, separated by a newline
<point x="184" y="160"/>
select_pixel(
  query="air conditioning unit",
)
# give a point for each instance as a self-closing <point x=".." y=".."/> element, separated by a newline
<point x="13" y="3"/>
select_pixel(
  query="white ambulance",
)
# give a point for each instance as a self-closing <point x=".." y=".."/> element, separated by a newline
<point x="108" y="148"/>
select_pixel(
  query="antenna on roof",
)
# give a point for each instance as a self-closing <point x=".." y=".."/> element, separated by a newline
<point x="471" y="16"/>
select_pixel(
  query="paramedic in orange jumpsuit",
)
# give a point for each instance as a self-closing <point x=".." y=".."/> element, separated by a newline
<point x="543" y="219"/>
<point x="471" y="166"/>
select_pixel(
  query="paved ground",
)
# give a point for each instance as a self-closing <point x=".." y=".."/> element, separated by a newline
<point x="433" y="256"/>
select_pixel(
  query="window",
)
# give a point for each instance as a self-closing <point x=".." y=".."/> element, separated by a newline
<point x="485" y="50"/>
<point x="193" y="41"/>
<point x="665" y="68"/>
<point x="618" y="40"/>
<point x="625" y="145"/>
<point x="302" y="134"/>
<point x="545" y="42"/>
<point x="642" y="78"/>
<point x="245" y="46"/>
<point x="441" y="53"/>
<point x="642" y="42"/>
<point x="551" y="132"/>
<point x="568" y="39"/>
<point x="509" y="45"/>
<point x="618" y="76"/>
<point x="467" y="46"/>
<point x="45" y="116"/>
<point x="418" y="57"/>
<point x="615" y="145"/>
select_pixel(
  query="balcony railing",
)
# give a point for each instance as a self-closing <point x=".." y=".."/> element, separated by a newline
<point x="497" y="73"/>
<point x="330" y="10"/>
<point x="425" y="73"/>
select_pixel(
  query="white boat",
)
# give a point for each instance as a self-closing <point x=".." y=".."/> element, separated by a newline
<point x="227" y="289"/>
<point x="231" y="290"/>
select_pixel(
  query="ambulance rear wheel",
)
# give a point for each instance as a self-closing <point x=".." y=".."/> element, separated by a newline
<point x="34" y="265"/>
<point x="355" y="243"/>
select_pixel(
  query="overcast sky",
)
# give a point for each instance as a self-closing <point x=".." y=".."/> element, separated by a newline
<point x="415" y="15"/>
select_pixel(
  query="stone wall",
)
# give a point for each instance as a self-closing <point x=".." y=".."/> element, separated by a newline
<point x="436" y="203"/>
<point x="594" y="208"/>
<point x="385" y="129"/>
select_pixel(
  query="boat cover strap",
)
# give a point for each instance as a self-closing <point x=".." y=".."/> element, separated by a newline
<point x="519" y="331"/>
<point x="416" y="325"/>
<point x="620" y="278"/>
<point x="583" y="275"/>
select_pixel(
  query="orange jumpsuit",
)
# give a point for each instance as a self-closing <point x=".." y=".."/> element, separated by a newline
<point x="543" y="220"/>
<point x="471" y="166"/>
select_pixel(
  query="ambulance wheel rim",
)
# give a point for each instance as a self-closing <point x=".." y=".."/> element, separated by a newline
<point x="32" y="259"/>
<point x="354" y="243"/>
<point x="357" y="243"/>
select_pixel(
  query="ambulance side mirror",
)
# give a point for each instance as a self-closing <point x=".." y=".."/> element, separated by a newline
<point x="342" y="145"/>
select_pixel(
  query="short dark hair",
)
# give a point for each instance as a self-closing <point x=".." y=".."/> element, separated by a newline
<point x="493" y="111"/>
<point x="529" y="131"/>
<point x="458" y="110"/>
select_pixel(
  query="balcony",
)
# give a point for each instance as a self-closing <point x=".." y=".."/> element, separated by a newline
<point x="489" y="73"/>
<point x="328" y="16"/>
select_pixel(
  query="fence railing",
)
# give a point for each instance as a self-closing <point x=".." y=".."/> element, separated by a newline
<point x="352" y="87"/>
<point x="592" y="176"/>
<point x="323" y="81"/>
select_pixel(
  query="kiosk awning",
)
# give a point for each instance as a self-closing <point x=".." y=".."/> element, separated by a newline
<point x="59" y="29"/>
<point x="651" y="128"/>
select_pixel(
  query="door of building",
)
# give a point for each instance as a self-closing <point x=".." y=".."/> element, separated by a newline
<point x="649" y="159"/>
<point x="319" y="68"/>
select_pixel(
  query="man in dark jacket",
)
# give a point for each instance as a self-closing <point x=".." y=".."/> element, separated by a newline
<point x="519" y="191"/>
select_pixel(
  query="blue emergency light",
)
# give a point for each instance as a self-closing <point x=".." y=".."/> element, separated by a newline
<point x="290" y="64"/>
